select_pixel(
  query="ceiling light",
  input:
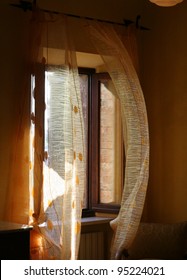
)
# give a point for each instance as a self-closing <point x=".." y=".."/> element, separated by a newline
<point x="166" y="3"/>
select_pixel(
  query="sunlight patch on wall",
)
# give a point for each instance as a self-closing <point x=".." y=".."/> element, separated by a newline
<point x="56" y="57"/>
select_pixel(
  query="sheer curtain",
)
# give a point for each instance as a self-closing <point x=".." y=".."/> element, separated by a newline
<point x="58" y="177"/>
<point x="47" y="174"/>
<point x="118" y="62"/>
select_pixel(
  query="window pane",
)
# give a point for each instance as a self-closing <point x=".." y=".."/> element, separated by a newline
<point x="84" y="95"/>
<point x="54" y="120"/>
<point x="54" y="114"/>
<point x="111" y="150"/>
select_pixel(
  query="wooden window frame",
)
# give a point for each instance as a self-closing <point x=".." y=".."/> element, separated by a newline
<point x="93" y="157"/>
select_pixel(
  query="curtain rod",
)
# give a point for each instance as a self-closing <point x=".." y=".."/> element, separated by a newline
<point x="28" y="6"/>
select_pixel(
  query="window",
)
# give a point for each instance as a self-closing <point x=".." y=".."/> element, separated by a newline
<point x="103" y="135"/>
<point x="105" y="146"/>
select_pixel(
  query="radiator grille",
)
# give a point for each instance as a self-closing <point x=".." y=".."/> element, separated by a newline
<point x="92" y="246"/>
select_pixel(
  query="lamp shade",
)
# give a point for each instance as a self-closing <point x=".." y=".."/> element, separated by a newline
<point x="166" y="3"/>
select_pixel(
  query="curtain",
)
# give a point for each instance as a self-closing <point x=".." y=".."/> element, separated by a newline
<point x="118" y="62"/>
<point x="58" y="177"/>
<point x="47" y="174"/>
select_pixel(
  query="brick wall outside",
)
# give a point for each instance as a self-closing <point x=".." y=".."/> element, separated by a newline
<point x="107" y="146"/>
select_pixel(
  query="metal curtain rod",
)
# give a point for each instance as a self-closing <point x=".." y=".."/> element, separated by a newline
<point x="28" y="6"/>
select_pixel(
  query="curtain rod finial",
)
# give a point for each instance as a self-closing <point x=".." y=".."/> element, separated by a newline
<point x="138" y="26"/>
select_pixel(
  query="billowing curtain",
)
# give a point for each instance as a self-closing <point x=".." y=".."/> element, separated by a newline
<point x="118" y="62"/>
<point x="57" y="152"/>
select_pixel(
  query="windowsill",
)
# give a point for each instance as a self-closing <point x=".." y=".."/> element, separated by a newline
<point x="95" y="220"/>
<point x="88" y="222"/>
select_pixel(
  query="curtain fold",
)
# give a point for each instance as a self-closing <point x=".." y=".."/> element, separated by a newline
<point x="57" y="179"/>
<point x="135" y="129"/>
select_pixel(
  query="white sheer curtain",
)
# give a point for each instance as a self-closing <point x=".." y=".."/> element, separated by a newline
<point x="114" y="53"/>
<point x="58" y="177"/>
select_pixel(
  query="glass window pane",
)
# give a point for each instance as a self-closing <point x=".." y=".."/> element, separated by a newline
<point x="111" y="150"/>
<point x="84" y="96"/>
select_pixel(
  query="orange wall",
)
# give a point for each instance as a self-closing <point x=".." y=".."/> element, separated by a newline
<point x="13" y="25"/>
<point x="164" y="82"/>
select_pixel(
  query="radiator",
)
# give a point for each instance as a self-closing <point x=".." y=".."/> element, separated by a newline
<point x="92" y="246"/>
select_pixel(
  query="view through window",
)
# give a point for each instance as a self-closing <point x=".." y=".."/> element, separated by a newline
<point x="103" y="135"/>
